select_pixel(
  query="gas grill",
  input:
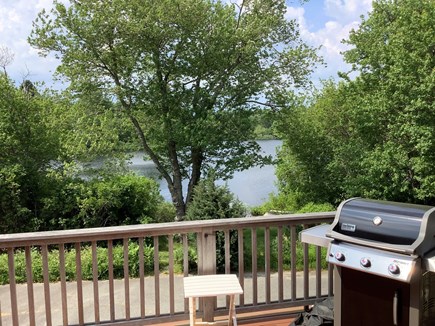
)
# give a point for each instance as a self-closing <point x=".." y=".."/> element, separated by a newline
<point x="383" y="238"/>
<point x="383" y="255"/>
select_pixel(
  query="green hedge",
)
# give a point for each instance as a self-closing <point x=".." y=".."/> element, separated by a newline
<point x="133" y="258"/>
<point x="70" y="263"/>
<point x="286" y="245"/>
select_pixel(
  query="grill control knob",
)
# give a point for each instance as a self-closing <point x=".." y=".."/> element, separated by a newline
<point x="365" y="262"/>
<point x="340" y="256"/>
<point x="394" y="269"/>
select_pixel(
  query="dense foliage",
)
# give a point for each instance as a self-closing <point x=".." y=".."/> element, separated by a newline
<point x="27" y="148"/>
<point x="41" y="188"/>
<point x="110" y="201"/>
<point x="373" y="136"/>
<point x="187" y="74"/>
<point x="211" y="201"/>
<point x="86" y="264"/>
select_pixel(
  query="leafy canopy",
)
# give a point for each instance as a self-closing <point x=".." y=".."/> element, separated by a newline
<point x="373" y="136"/>
<point x="27" y="148"/>
<point x="187" y="74"/>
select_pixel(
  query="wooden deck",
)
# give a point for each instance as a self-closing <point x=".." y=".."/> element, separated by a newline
<point x="279" y="321"/>
<point x="276" y="322"/>
<point x="280" y="317"/>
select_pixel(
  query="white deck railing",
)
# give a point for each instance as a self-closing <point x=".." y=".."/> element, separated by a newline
<point x="148" y="299"/>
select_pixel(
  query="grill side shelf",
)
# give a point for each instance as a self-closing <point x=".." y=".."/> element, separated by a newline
<point x="316" y="235"/>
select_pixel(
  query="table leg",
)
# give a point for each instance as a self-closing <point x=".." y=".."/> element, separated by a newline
<point x="192" y="310"/>
<point x="232" y="312"/>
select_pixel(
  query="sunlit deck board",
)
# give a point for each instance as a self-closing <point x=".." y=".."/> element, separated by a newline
<point x="283" y="321"/>
<point x="280" y="317"/>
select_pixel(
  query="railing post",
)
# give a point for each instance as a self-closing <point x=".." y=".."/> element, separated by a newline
<point x="206" y="266"/>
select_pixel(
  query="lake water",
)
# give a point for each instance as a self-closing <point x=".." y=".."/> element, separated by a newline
<point x="251" y="186"/>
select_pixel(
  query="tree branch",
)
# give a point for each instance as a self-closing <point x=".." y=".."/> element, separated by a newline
<point x="268" y="104"/>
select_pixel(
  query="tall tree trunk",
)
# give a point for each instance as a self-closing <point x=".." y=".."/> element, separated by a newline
<point x="178" y="202"/>
<point x="176" y="187"/>
<point x="197" y="159"/>
<point x="175" y="183"/>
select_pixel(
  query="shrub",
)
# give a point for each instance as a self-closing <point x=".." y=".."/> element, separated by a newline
<point x="192" y="257"/>
<point x="289" y="203"/>
<point x="133" y="259"/>
<point x="70" y="263"/>
<point x="119" y="200"/>
<point x="15" y="216"/>
<point x="312" y="208"/>
<point x="216" y="202"/>
<point x="211" y="201"/>
<point x="108" y="200"/>
<point x="286" y="203"/>
<point x="299" y="264"/>
<point x="165" y="212"/>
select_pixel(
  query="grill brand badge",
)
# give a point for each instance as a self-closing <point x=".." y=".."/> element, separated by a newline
<point x="348" y="227"/>
<point x="377" y="220"/>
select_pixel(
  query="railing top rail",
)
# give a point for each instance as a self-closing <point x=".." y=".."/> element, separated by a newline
<point x="156" y="229"/>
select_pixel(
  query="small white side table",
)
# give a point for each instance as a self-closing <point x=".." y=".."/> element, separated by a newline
<point x="212" y="286"/>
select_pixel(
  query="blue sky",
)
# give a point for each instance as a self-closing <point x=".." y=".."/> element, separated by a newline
<point x="322" y="22"/>
<point x="326" y="23"/>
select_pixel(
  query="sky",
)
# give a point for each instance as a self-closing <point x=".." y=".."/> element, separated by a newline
<point x="322" y="23"/>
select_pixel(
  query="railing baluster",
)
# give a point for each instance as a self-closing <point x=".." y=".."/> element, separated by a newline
<point x="241" y="265"/>
<point x="126" y="280"/>
<point x="267" y="262"/>
<point x="79" y="283"/>
<point x="254" y="266"/>
<point x="95" y="282"/>
<point x="227" y="253"/>
<point x="227" y="260"/>
<point x="12" y="286"/>
<point x="30" y="295"/>
<point x="156" y="275"/>
<point x="141" y="278"/>
<point x="171" y="275"/>
<point x="63" y="284"/>
<point x="280" y="267"/>
<point x="293" y="262"/>
<point x="45" y="272"/>
<point x="186" y="267"/>
<point x="111" y="283"/>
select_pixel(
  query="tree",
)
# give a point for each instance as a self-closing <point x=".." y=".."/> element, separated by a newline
<point x="375" y="135"/>
<point x="92" y="127"/>
<point x="312" y="130"/>
<point x="394" y="52"/>
<point x="188" y="74"/>
<point x="27" y="148"/>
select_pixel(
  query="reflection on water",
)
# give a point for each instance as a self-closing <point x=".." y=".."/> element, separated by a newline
<point x="251" y="186"/>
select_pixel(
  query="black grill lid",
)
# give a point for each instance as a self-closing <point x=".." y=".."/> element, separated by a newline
<point x="400" y="227"/>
